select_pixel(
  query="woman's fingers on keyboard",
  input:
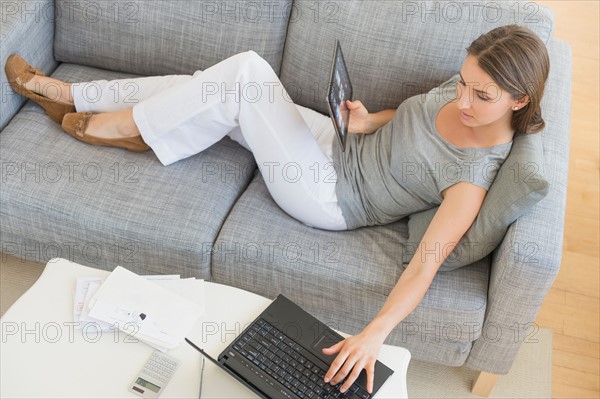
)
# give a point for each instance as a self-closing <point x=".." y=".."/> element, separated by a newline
<point x="337" y="363"/>
<point x="351" y="359"/>
<point x="358" y="367"/>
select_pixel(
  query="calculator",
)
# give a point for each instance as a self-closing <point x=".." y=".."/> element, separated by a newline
<point x="155" y="375"/>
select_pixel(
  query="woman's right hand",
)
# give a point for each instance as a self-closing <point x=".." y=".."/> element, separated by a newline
<point x="359" y="122"/>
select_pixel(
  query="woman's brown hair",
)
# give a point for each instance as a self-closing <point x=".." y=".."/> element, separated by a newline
<point x="517" y="60"/>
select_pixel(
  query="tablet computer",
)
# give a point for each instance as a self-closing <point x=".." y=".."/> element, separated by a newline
<point x="340" y="90"/>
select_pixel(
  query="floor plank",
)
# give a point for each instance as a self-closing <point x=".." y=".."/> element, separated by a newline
<point x="575" y="346"/>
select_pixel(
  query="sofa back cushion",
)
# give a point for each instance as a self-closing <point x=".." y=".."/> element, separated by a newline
<point x="394" y="49"/>
<point x="163" y="37"/>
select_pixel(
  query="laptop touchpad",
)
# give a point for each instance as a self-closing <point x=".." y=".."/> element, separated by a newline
<point x="325" y="341"/>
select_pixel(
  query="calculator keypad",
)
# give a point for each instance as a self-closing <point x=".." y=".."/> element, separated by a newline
<point x="155" y="375"/>
<point x="160" y="368"/>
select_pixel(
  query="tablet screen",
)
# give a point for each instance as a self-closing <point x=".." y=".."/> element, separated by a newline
<point x="340" y="90"/>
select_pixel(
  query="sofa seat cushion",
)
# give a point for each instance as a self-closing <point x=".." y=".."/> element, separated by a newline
<point x="345" y="277"/>
<point x="102" y="206"/>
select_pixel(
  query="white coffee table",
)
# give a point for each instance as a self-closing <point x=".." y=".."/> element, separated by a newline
<point x="43" y="356"/>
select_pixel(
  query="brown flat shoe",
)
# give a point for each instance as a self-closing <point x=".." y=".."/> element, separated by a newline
<point x="76" y="124"/>
<point x="19" y="72"/>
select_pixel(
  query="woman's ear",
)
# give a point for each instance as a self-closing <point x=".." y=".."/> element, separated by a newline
<point x="520" y="103"/>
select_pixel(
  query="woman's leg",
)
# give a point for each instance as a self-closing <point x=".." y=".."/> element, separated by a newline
<point x="116" y="95"/>
<point x="243" y="91"/>
<point x="104" y="95"/>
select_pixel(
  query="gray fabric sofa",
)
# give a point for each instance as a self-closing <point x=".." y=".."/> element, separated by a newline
<point x="211" y="216"/>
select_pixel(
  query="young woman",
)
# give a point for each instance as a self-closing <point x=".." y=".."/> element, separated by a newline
<point x="442" y="148"/>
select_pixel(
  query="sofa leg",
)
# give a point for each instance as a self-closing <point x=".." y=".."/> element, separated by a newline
<point x="484" y="383"/>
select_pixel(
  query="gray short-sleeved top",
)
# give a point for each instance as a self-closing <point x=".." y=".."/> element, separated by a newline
<point x="404" y="166"/>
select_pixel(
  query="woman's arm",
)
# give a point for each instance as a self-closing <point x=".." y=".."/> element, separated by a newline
<point x="362" y="122"/>
<point x="457" y="212"/>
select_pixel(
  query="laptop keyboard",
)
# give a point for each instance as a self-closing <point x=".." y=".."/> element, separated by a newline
<point x="267" y="348"/>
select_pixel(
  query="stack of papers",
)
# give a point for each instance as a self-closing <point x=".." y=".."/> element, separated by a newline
<point x="158" y="310"/>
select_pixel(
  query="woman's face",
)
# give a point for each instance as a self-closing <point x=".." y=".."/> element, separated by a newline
<point x="480" y="100"/>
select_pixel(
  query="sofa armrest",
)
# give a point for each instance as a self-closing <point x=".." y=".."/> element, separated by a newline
<point x="526" y="263"/>
<point x="27" y="28"/>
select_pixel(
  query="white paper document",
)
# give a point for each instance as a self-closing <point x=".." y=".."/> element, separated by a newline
<point x="85" y="288"/>
<point x="82" y="289"/>
<point x="84" y="316"/>
<point x="156" y="314"/>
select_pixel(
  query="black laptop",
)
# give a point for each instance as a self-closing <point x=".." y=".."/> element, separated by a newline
<point x="279" y="356"/>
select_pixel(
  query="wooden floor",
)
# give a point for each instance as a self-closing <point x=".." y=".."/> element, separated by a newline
<point x="572" y="307"/>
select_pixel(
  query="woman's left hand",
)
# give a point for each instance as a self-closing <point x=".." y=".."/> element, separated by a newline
<point x="354" y="354"/>
<point x="359" y="120"/>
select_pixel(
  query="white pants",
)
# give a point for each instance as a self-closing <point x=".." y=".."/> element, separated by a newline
<point x="240" y="97"/>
